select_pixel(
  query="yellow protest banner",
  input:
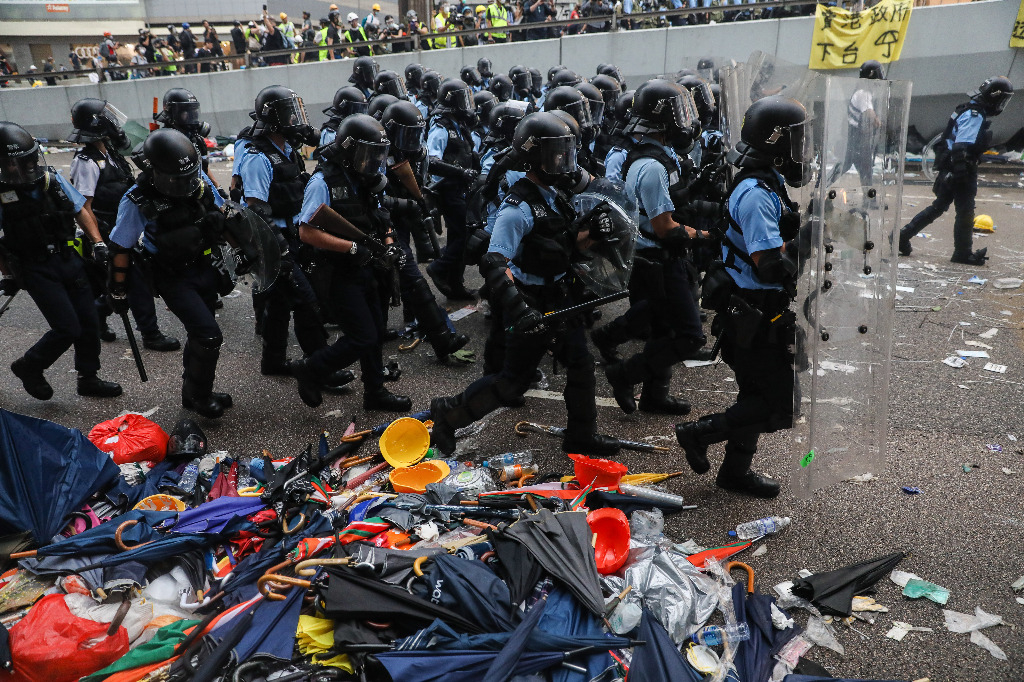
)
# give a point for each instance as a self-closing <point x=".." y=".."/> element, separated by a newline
<point x="844" y="40"/>
<point x="1017" y="36"/>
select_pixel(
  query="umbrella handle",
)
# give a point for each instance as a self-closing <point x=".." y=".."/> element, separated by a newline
<point x="521" y="428"/>
<point x="121" y="529"/>
<point x="294" y="529"/>
<point x="23" y="555"/>
<point x="478" y="524"/>
<point x="304" y="567"/>
<point x="417" y="566"/>
<point x="356" y="437"/>
<point x="746" y="567"/>
<point x="265" y="589"/>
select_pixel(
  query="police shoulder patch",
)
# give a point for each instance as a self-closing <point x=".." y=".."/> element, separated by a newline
<point x="513" y="199"/>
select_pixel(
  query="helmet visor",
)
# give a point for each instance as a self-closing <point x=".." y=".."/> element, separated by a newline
<point x="406" y="138"/>
<point x="703" y="93"/>
<point x="22" y="169"/>
<point x="558" y="155"/>
<point x="366" y="158"/>
<point x="522" y="81"/>
<point x="182" y="114"/>
<point x="287" y="113"/>
<point x="999" y="99"/>
<point x="348" y="108"/>
<point x="182" y="185"/>
<point x="191" y="444"/>
<point x="113" y="116"/>
<point x="596" y="111"/>
<point x="683" y="110"/>
<point x="461" y="100"/>
<point x="579" y="111"/>
<point x="484" y="67"/>
<point x="393" y="87"/>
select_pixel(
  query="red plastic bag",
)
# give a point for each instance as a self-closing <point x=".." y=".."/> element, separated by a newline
<point x="50" y="644"/>
<point x="130" y="438"/>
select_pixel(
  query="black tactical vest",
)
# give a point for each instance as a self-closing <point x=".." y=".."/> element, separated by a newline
<point x="789" y="222"/>
<point x="35" y="227"/>
<point x="459" y="151"/>
<point x="981" y="143"/>
<point x="359" y="208"/>
<point x="547" y="248"/>
<point x="289" y="178"/>
<point x="115" y="178"/>
<point x="678" y="180"/>
<point x="178" y="227"/>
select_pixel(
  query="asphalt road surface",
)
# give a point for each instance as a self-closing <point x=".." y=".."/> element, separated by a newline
<point x="963" y="531"/>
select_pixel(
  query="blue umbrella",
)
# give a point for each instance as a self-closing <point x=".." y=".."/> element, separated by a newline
<point x="659" y="660"/>
<point x="472" y="588"/>
<point x="458" y="666"/>
<point x="100" y="540"/>
<point x="753" y="661"/>
<point x="223" y="515"/>
<point x="505" y="662"/>
<point x="240" y="584"/>
<point x="170" y="545"/>
<point x="271" y="632"/>
<point x="564" y="616"/>
<point x="47" y="472"/>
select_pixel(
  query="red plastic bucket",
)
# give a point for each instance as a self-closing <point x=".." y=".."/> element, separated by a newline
<point x="600" y="473"/>
<point x="611" y="527"/>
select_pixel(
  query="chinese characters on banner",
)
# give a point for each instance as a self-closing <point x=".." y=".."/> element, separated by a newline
<point x="844" y="40"/>
<point x="1017" y="37"/>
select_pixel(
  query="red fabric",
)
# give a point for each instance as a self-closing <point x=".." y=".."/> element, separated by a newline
<point x="50" y="644"/>
<point x="130" y="438"/>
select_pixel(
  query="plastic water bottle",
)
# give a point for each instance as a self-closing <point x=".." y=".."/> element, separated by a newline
<point x="714" y="635"/>
<point x="761" y="527"/>
<point x="509" y="459"/>
<point x="187" y="482"/>
<point x="245" y="477"/>
<point x="516" y="472"/>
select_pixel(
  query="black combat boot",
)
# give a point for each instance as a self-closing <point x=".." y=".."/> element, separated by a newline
<point x="32" y="379"/>
<point x="91" y="386"/>
<point x="655" y="398"/>
<point x="695" y="437"/>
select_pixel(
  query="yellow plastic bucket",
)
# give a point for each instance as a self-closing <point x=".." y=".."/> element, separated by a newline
<point x="405" y="442"/>
<point x="415" y="479"/>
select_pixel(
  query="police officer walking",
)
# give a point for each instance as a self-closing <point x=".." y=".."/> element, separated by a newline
<point x="526" y="271"/>
<point x="102" y="176"/>
<point x="38" y="212"/>
<point x="965" y="139"/>
<point x="752" y="294"/>
<point x="350" y="181"/>
<point x="453" y="167"/>
<point x="347" y="101"/>
<point x="181" y="112"/>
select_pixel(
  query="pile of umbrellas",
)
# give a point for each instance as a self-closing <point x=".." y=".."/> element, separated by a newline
<point x="332" y="564"/>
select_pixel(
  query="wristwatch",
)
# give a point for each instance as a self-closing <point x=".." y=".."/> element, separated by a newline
<point x="354" y="249"/>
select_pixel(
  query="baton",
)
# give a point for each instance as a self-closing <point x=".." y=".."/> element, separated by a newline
<point x="7" y="303"/>
<point x="556" y="315"/>
<point x="135" y="347"/>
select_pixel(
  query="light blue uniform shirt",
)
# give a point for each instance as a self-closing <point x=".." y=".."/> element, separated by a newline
<point x="613" y="163"/>
<point x="257" y="173"/>
<point x="478" y="141"/>
<point x="36" y="193"/>
<point x="511" y="225"/>
<point x="966" y="128"/>
<point x="437" y="142"/>
<point x="327" y="136"/>
<point x="130" y="229"/>
<point x="316" y="194"/>
<point x="649" y="183"/>
<point x="419" y="105"/>
<point x="240" y="146"/>
<point x="511" y="177"/>
<point x="757" y="210"/>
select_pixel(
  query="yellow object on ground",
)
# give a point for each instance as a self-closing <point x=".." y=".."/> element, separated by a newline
<point x="984" y="223"/>
<point x="316" y="636"/>
<point x="404" y="442"/>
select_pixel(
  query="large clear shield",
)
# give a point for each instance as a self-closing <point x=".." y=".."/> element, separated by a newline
<point x="260" y="244"/>
<point x="606" y="264"/>
<point x="928" y="157"/>
<point x="847" y="281"/>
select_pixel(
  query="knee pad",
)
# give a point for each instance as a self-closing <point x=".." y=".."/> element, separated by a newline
<point x="207" y="342"/>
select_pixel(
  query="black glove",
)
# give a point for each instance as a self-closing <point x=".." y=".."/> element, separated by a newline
<point x="529" y="322"/>
<point x="470" y="175"/>
<point x="362" y="255"/>
<point x="395" y="254"/>
<point x="9" y="286"/>
<point x="117" y="298"/>
<point x="242" y="262"/>
<point x="601" y="226"/>
<point x="100" y="254"/>
<point x="802" y="243"/>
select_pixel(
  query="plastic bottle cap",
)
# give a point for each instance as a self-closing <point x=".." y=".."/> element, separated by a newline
<point x="732" y="533"/>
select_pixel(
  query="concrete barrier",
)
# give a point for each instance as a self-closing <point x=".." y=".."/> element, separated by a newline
<point x="940" y="77"/>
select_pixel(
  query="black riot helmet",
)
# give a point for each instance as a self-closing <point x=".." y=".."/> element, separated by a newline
<point x="471" y="76"/>
<point x="483" y="65"/>
<point x="536" y="82"/>
<point x="522" y="82"/>
<point x="501" y="86"/>
<point x="96" y="119"/>
<point x="379" y="103"/>
<point x="609" y="88"/>
<point x="21" y="161"/>
<point x="430" y="84"/>
<point x="484" y="102"/>
<point x="571" y="101"/>
<point x="613" y="71"/>
<point x="390" y="83"/>
<point x="281" y="111"/>
<point x="181" y="110"/>
<point x="552" y="71"/>
<point x="504" y="119"/>
<point x="872" y="69"/>
<point x="595" y="99"/>
<point x="454" y="97"/>
<point x="577" y="132"/>
<point x="773" y="135"/>
<point x="703" y="97"/>
<point x="404" y="126"/>
<point x="544" y="143"/>
<point x="412" y="77"/>
<point x="624" y="107"/>
<point x="174" y="162"/>
<point x="661" y="106"/>
<point x="187" y="441"/>
<point x="705" y="64"/>
<point x="994" y="94"/>
<point x="360" y="147"/>
<point x="364" y="73"/>
<point x="565" y="77"/>
<point x="347" y="101"/>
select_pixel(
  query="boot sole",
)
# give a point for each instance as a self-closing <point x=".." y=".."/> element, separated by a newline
<point x="698" y="463"/>
<point x="766" y="495"/>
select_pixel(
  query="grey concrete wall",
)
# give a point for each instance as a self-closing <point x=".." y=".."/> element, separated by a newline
<point x="949" y="50"/>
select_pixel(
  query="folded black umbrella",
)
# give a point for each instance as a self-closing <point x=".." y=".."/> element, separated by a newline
<point x="516" y="566"/>
<point x="5" y="649"/>
<point x="472" y="588"/>
<point x="833" y="591"/>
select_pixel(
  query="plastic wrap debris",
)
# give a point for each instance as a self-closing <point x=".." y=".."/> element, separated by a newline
<point x="955" y="362"/>
<point x="1018" y="585"/>
<point x="965" y="622"/>
<point x="863" y="478"/>
<point x="900" y="630"/>
<point x="788" y="600"/>
<point x="915" y="589"/>
<point x="862" y="604"/>
<point x="990" y="334"/>
<point x="972" y="353"/>
<point x="760" y="551"/>
<point x="679" y="595"/>
<point x="691" y="546"/>
<point x="977" y="280"/>
<point x="780" y="621"/>
<point x="139" y="614"/>
<point x="823" y="634"/>
<point x="901" y="578"/>
<point x="978" y="344"/>
<point x="1008" y="283"/>
<point x="646" y="525"/>
<point x="988" y="645"/>
<point x="789" y="656"/>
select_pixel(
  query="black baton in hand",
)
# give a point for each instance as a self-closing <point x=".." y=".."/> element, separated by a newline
<point x="135" y="347"/>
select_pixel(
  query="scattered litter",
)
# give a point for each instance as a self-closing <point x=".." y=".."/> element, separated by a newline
<point x="1008" y="283"/>
<point x="978" y="344"/>
<point x="1007" y="313"/>
<point x="963" y="387"/>
<point x="969" y="467"/>
<point x="993" y="367"/>
<point x="461" y="313"/>
<point x="916" y="588"/>
<point x="977" y="280"/>
<point x="965" y="622"/>
<point x="1020" y="600"/>
<point x="900" y="630"/>
<point x="779" y="619"/>
<point x="994" y="447"/>
<point x="964" y="324"/>
<point x="822" y="634"/>
<point x="235" y="293"/>
<point x="863" y="478"/>
<point x="837" y="366"/>
<point x="862" y="604"/>
<point x="1012" y="437"/>
<point x="988" y="645"/>
<point x="760" y="551"/>
<point x="905" y="290"/>
<point x="1018" y="586"/>
<point x="973" y="353"/>
<point x="700" y="363"/>
<point x="955" y="362"/>
<point x="990" y="334"/>
<point x="910" y="490"/>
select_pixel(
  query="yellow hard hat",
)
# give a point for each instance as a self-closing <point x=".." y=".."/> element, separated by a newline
<point x="333" y="7"/>
<point x="404" y="442"/>
<point x="283" y="16"/>
<point x="480" y="8"/>
<point x="984" y="223"/>
<point x="376" y="7"/>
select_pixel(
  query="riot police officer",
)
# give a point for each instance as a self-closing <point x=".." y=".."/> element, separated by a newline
<point x="347" y="101"/>
<point x="273" y="179"/>
<point x="426" y="100"/>
<point x="471" y="77"/>
<point x="364" y="74"/>
<point x="619" y="142"/>
<point x="453" y="167"/>
<point x="571" y="101"/>
<point x="525" y="269"/>
<point x="102" y="176"/>
<point x="407" y="161"/>
<point x="351" y="181"/>
<point x="610" y="91"/>
<point x="412" y="79"/>
<point x="388" y="82"/>
<point x="38" y="212"/>
<point x="964" y="140"/>
<point x="181" y="112"/>
<point x="663" y="120"/>
<point x="501" y="86"/>
<point x="752" y="293"/>
<point x="483" y="65"/>
<point x="170" y="221"/>
<point x="522" y="83"/>
<point x="484" y="102"/>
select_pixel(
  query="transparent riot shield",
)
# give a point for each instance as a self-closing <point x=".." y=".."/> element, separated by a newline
<point x="928" y="158"/>
<point x="847" y="282"/>
<point x="260" y="244"/>
<point x="606" y="265"/>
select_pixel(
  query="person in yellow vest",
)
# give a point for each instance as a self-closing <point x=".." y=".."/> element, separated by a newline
<point x="497" y="17"/>
<point x="440" y="26"/>
<point x="353" y="34"/>
<point x="321" y="38"/>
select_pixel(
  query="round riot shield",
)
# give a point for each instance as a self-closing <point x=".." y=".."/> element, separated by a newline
<point x="259" y="244"/>
<point x="605" y="265"/>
